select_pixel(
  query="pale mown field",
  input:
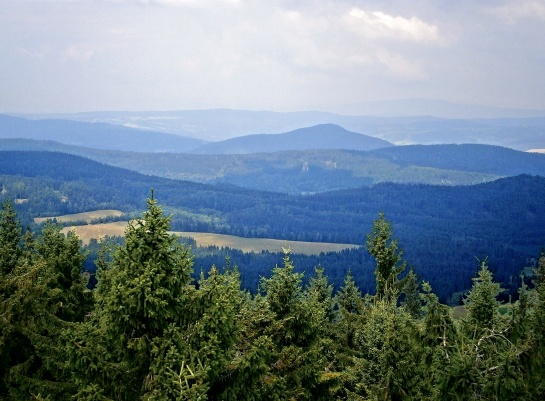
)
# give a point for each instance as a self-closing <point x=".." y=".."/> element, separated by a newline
<point x="97" y="231"/>
<point x="87" y="216"/>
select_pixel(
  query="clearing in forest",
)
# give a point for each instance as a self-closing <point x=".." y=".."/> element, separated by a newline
<point x="97" y="231"/>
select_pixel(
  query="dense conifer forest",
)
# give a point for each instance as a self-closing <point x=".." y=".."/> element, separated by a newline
<point x="151" y="331"/>
<point x="444" y="230"/>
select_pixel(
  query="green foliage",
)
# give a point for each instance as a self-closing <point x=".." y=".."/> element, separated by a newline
<point x="321" y="292"/>
<point x="388" y="257"/>
<point x="10" y="238"/>
<point x="387" y="366"/>
<point x="43" y="294"/>
<point x="481" y="302"/>
<point x="291" y="325"/>
<point x="150" y="332"/>
<point x="412" y="302"/>
<point x="158" y="336"/>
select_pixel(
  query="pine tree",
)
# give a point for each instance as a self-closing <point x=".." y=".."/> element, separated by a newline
<point x="349" y="303"/>
<point x="321" y="292"/>
<point x="412" y="302"/>
<point x="387" y="365"/>
<point x="389" y="259"/>
<point x="481" y="302"/>
<point x="153" y="333"/>
<point x="291" y="329"/>
<point x="483" y="363"/>
<point x="438" y="337"/>
<point x="10" y="238"/>
<point x="46" y="295"/>
<point x="64" y="259"/>
<point x="535" y="357"/>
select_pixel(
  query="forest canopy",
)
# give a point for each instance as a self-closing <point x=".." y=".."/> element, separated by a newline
<point x="150" y="331"/>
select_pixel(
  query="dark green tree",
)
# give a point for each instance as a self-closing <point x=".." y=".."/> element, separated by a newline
<point x="481" y="302"/>
<point x="389" y="259"/>
<point x="154" y="334"/>
<point x="291" y="331"/>
<point x="46" y="295"/>
<point x="483" y="362"/>
<point x="412" y="301"/>
<point x="348" y="297"/>
<point x="10" y="239"/>
<point x="321" y="292"/>
<point x="387" y="363"/>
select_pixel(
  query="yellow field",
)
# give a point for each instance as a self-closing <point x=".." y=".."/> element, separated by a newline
<point x="86" y="216"/>
<point x="97" y="231"/>
<point x="263" y="244"/>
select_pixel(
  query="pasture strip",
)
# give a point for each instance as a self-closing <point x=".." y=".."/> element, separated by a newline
<point x="98" y="231"/>
<point x="85" y="216"/>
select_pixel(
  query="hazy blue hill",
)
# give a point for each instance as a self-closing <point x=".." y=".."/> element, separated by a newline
<point x="47" y="145"/>
<point x="517" y="129"/>
<point x="95" y="135"/>
<point x="322" y="136"/>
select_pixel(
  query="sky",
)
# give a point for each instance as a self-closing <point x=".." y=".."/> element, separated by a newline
<point x="279" y="55"/>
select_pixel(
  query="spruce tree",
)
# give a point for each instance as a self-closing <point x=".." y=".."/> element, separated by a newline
<point x="10" y="239"/>
<point x="412" y="302"/>
<point x="387" y="363"/>
<point x="153" y="333"/>
<point x="483" y="362"/>
<point x="290" y="326"/>
<point x="349" y="303"/>
<point x="481" y="302"/>
<point x="389" y="259"/>
<point x="46" y="295"/>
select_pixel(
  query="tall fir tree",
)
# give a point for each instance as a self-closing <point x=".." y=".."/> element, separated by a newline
<point x="389" y="259"/>
<point x="46" y="295"/>
<point x="10" y="239"/>
<point x="481" y="302"/>
<point x="153" y="334"/>
<point x="290" y="326"/>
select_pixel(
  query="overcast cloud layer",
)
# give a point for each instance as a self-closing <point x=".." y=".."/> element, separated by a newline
<point x="68" y="55"/>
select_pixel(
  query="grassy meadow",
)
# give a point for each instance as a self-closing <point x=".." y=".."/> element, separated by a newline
<point x="100" y="230"/>
<point x="88" y="217"/>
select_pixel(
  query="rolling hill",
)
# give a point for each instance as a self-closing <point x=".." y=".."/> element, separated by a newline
<point x="95" y="135"/>
<point x="469" y="124"/>
<point x="323" y="136"/>
<point x="313" y="171"/>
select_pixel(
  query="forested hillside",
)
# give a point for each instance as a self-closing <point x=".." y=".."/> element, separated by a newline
<point x="443" y="229"/>
<point x="313" y="171"/>
<point x="150" y="331"/>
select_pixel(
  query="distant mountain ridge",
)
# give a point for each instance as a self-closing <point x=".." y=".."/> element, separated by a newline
<point x="322" y="136"/>
<point x="95" y="135"/>
<point x="514" y="130"/>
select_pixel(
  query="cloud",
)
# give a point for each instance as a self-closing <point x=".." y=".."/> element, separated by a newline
<point x="279" y="54"/>
<point x="188" y="3"/>
<point x="400" y="66"/>
<point x="377" y="24"/>
<point x="78" y="53"/>
<point x="514" y="10"/>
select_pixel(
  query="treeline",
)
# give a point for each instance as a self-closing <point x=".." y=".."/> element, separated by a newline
<point x="150" y="332"/>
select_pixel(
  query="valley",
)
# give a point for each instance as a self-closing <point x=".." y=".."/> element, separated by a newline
<point x="450" y="205"/>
